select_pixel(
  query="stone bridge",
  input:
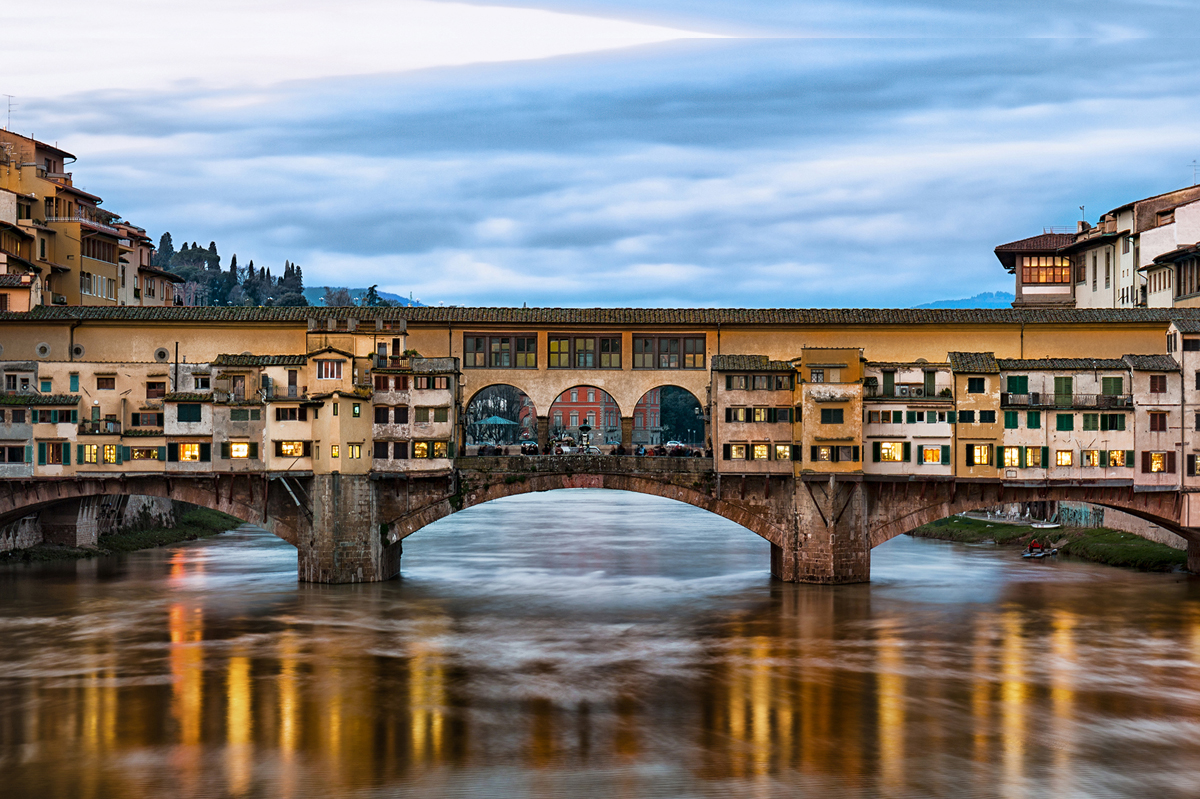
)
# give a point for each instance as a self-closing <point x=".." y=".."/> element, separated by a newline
<point x="821" y="527"/>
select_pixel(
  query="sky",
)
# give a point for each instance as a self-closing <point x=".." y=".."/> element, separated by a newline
<point x="616" y="152"/>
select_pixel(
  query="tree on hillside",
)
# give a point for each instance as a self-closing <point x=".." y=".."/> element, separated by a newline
<point x="372" y="299"/>
<point x="337" y="297"/>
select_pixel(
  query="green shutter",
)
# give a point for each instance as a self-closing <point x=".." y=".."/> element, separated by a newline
<point x="125" y="454"/>
<point x="1018" y="384"/>
<point x="79" y="453"/>
<point x="931" y="417"/>
<point x="729" y="382"/>
<point x="66" y="453"/>
<point x="74" y="383"/>
<point x="912" y="417"/>
<point x="41" y="453"/>
<point x="162" y="453"/>
<point x="172" y="452"/>
<point x="206" y="452"/>
<point x="874" y="451"/>
<point x="225" y="450"/>
<point x="1045" y="457"/>
<point x="968" y="455"/>
<point x="1010" y="419"/>
<point x="897" y="417"/>
<point x="53" y="417"/>
<point x="907" y="452"/>
<point x="889" y="384"/>
<point x="119" y="449"/>
<point x="29" y="453"/>
<point x="74" y="417"/>
<point x="1064" y="421"/>
<point x="1020" y="457"/>
<point x="254" y="449"/>
<point x="920" y="455"/>
<point x="991" y="455"/>
<point x="945" y="454"/>
<point x="952" y="417"/>
<point x="930" y="383"/>
<point x="1104" y="458"/>
<point x="1129" y="458"/>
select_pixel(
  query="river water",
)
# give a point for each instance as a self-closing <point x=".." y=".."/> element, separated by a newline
<point x="595" y="644"/>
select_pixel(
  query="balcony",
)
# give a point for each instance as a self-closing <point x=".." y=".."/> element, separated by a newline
<point x="103" y="427"/>
<point x="83" y="219"/>
<point x="903" y="393"/>
<point x="1038" y="400"/>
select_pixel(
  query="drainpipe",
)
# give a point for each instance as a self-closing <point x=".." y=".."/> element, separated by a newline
<point x="71" y="341"/>
<point x="176" y="386"/>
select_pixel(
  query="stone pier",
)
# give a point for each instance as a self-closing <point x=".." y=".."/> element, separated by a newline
<point x="345" y="542"/>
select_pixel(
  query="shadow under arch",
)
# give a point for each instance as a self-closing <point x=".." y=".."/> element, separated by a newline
<point x="247" y="505"/>
<point x="669" y="412"/>
<point x="746" y="517"/>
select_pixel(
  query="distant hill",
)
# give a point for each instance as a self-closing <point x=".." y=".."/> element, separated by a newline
<point x="314" y="294"/>
<point x="988" y="299"/>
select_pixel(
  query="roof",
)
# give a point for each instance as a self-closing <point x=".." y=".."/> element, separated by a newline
<point x="1173" y="256"/>
<point x="29" y="398"/>
<point x="433" y="365"/>
<point x="678" y="317"/>
<point x="1151" y="363"/>
<point x="749" y="363"/>
<point x="12" y="282"/>
<point x="980" y="363"/>
<point x="1188" y="325"/>
<point x="1042" y="243"/>
<point x="1060" y="364"/>
<point x="188" y="396"/>
<point x="259" y="360"/>
<point x="154" y="270"/>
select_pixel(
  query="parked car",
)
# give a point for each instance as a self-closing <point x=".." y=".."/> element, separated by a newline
<point x="593" y="450"/>
<point x="673" y="444"/>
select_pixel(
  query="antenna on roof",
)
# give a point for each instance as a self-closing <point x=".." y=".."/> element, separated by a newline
<point x="11" y="104"/>
<point x="1195" y="166"/>
<point x="1082" y="215"/>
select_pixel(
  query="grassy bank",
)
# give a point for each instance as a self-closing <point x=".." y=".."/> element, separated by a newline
<point x="1100" y="545"/>
<point x="194" y="524"/>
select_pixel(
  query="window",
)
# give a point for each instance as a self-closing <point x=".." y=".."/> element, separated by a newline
<point x="1018" y="384"/>
<point x="201" y="382"/>
<point x="189" y="452"/>
<point x="293" y="414"/>
<point x="354" y="451"/>
<point x="823" y="453"/>
<point x="783" y="383"/>
<point x="1116" y="457"/>
<point x="1064" y="421"/>
<point x="735" y="414"/>
<point x="91" y="453"/>
<point x="336" y="405"/>
<point x="187" y="412"/>
<point x="329" y="369"/>
<point x="783" y="452"/>
<point x="816" y="375"/>
<point x="106" y="384"/>
<point x="382" y="383"/>
<point x="966" y="417"/>
<point x="1112" y="386"/>
<point x="873" y="417"/>
<point x="1012" y="456"/>
<point x="382" y="414"/>
<point x="976" y="385"/>
<point x="668" y="353"/>
<point x="979" y="454"/>
<point x="1033" y="456"/>
<point x="499" y="353"/>
<point x="832" y="415"/>
<point x="760" y="414"/>
<point x="1107" y="269"/>
<point x="931" y="455"/>
<point x="239" y="449"/>
<point x="356" y="410"/>
<point x="1033" y="420"/>
<point x="1158" y="384"/>
<point x="18" y="416"/>
<point x="761" y="382"/>
<point x="737" y="452"/>
<point x="610" y="353"/>
<point x="420" y="449"/>
<point x="526" y="352"/>
<point x="400" y="450"/>
<point x="45" y="384"/>
<point x="1158" y="423"/>
<point x="891" y="451"/>
<point x="335" y="451"/>
<point x="760" y="451"/>
<point x="474" y="352"/>
<point x="289" y="449"/>
<point x="1158" y="461"/>
<point x="987" y="417"/>
<point x="740" y="382"/>
<point x="1064" y="457"/>
<point x="401" y="414"/>
<point x="156" y="390"/>
<point x="420" y="414"/>
<point x="1063" y="390"/>
<point x="144" y="454"/>
<point x="585" y="353"/>
<point x="441" y="414"/>
<point x="1010" y="420"/>
<point x="1091" y="421"/>
<point x="1089" y="457"/>
<point x="247" y="414"/>
<point x="1045" y="269"/>
<point x="425" y="382"/>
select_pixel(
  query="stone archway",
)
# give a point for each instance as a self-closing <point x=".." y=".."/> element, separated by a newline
<point x="500" y="414"/>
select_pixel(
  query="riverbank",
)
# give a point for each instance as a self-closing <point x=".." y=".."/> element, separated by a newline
<point x="190" y="526"/>
<point x="1099" y="545"/>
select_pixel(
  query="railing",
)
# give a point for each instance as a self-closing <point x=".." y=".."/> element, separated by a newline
<point x="1039" y="400"/>
<point x="83" y="219"/>
<point x="903" y="393"/>
<point x="102" y="427"/>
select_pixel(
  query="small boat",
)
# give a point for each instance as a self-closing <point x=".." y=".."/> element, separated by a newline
<point x="1039" y="553"/>
<point x="1046" y="525"/>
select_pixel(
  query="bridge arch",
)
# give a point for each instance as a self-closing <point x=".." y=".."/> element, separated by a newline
<point x="668" y="412"/>
<point x="585" y="404"/>
<point x="514" y="410"/>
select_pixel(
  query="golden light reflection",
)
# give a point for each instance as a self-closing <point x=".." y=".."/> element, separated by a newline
<point x="239" y="725"/>
<point x="1062" y="699"/>
<point x="891" y="700"/>
<point x="427" y="695"/>
<point x="1012" y="702"/>
<point x="289" y="710"/>
<point x="186" y="625"/>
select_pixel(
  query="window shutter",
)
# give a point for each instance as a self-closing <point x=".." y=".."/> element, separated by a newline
<point x="74" y="417"/>
<point x="29" y="453"/>
<point x="1170" y="463"/>
<point x="79" y="453"/>
<point x="797" y="452"/>
<point x="815" y="454"/>
<point x="53" y="417"/>
<point x="308" y="449"/>
<point x="303" y="414"/>
<point x="74" y="383"/>
<point x="125" y="453"/>
<point x="907" y="451"/>
<point x="833" y="455"/>
<point x="66" y="453"/>
<point x="1145" y="462"/>
<point x="875" y="452"/>
<point x="158" y="419"/>
<point x="278" y="449"/>
<point x="162" y="453"/>
<point x="770" y="452"/>
<point x="172" y="452"/>
<point x="1104" y="458"/>
<point x="945" y="454"/>
<point x="279" y="414"/>
<point x="725" y="452"/>
<point x="118" y="454"/>
<point x="41" y="453"/>
<point x="1020" y="457"/>
<point x="931" y="417"/>
<point x="729" y="414"/>
<point x="1129" y="458"/>
<point x="254" y="450"/>
<point x="897" y="417"/>
<point x="854" y="453"/>
<point x="952" y="417"/>
<point x="729" y="384"/>
<point x="969" y="456"/>
<point x="912" y="417"/>
<point x="225" y="450"/>
<point x="920" y="455"/>
<point x="1191" y="465"/>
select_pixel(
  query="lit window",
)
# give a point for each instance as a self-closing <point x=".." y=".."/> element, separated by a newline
<point x="334" y="451"/>
<point x="824" y="453"/>
<point x="356" y="411"/>
<point x="91" y="453"/>
<point x="760" y="414"/>
<point x="329" y="370"/>
<point x="1012" y="456"/>
<point x="931" y="455"/>
<point x="144" y="453"/>
<point x="1033" y="456"/>
<point x="420" y="449"/>
<point x="891" y="451"/>
<point x="1158" y="461"/>
<point x="189" y="452"/>
<point x="783" y="452"/>
<point x="760" y="452"/>
<point x="981" y="454"/>
<point x="110" y="453"/>
<point x="239" y="449"/>
<point x="1064" y="457"/>
<point x="1090" y="457"/>
<point x="441" y="449"/>
<point x="737" y="452"/>
<point x="1116" y="457"/>
<point x="354" y="451"/>
<point x="291" y="449"/>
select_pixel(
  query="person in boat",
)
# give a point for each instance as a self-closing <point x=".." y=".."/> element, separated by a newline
<point x="1035" y="546"/>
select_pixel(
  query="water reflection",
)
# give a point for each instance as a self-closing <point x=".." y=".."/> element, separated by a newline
<point x="591" y="643"/>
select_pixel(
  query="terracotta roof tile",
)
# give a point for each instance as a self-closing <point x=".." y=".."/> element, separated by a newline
<point x="749" y="363"/>
<point x="1151" y="363"/>
<point x="188" y="396"/>
<point x="977" y="363"/>
<point x="1060" y="364"/>
<point x="1042" y="243"/>
<point x="259" y="360"/>
<point x="28" y="398"/>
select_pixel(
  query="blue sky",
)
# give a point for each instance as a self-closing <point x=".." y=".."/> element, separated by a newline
<point x="612" y="152"/>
